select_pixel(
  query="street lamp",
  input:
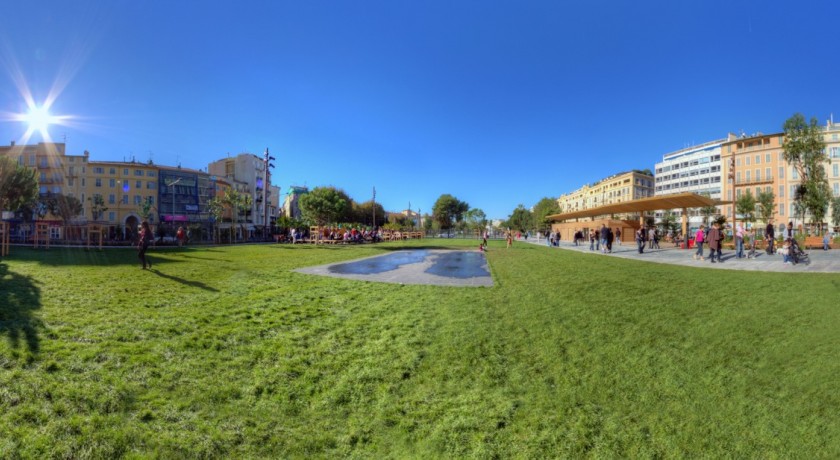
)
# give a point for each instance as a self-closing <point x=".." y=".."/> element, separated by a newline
<point x="172" y="184"/>
<point x="267" y="164"/>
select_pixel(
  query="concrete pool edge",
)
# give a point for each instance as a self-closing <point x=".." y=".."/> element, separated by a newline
<point x="410" y="273"/>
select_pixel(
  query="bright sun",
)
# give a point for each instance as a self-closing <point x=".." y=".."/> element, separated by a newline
<point x="39" y="119"/>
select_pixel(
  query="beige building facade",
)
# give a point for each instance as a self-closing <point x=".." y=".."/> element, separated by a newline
<point x="756" y="163"/>
<point x="625" y="186"/>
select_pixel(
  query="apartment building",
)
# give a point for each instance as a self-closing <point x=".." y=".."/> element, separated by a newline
<point x="756" y="163"/>
<point x="695" y="169"/>
<point x="625" y="186"/>
<point x="113" y="193"/>
<point x="248" y="169"/>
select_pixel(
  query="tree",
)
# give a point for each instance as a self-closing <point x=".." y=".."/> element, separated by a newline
<point x="804" y="149"/>
<point x="521" y="219"/>
<point x="144" y="209"/>
<point x="544" y="208"/>
<point x="325" y="205"/>
<point x="363" y="213"/>
<point x="17" y="185"/>
<point x="476" y="219"/>
<point x="708" y="211"/>
<point x="745" y="206"/>
<point x="216" y="207"/>
<point x="448" y="209"/>
<point x="668" y="223"/>
<point x="237" y="202"/>
<point x="63" y="206"/>
<point x="766" y="201"/>
<point x="835" y="211"/>
<point x="97" y="206"/>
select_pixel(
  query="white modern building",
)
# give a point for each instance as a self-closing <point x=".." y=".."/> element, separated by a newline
<point x="248" y="169"/>
<point x="695" y="169"/>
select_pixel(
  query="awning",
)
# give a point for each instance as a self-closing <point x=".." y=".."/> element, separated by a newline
<point x="655" y="203"/>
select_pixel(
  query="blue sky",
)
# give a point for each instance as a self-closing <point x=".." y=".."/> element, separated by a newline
<point x="498" y="103"/>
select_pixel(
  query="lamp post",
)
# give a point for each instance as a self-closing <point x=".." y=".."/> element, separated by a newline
<point x="267" y="164"/>
<point x="172" y="184"/>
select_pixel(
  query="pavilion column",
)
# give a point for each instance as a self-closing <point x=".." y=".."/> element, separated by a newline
<point x="685" y="227"/>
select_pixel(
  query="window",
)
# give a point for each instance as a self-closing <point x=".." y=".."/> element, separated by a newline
<point x="112" y="199"/>
<point x="125" y="171"/>
<point x="98" y="182"/>
<point x="98" y="170"/>
<point x="837" y="189"/>
<point x="767" y="158"/>
<point x="835" y="170"/>
<point x="747" y="160"/>
<point x="151" y="200"/>
<point x="150" y="185"/>
<point x="758" y="159"/>
<point x="125" y="199"/>
<point x="112" y="216"/>
<point x="112" y="183"/>
<point x="737" y="176"/>
<point x="137" y="199"/>
<point x="83" y="182"/>
<point x="138" y="172"/>
<point x="139" y="185"/>
<point x="781" y="172"/>
<point x="794" y="174"/>
<point x="113" y="171"/>
<point x="781" y="209"/>
<point x="748" y="175"/>
<point x="150" y="174"/>
<point x="767" y="174"/>
<point x="738" y="194"/>
<point x="781" y="156"/>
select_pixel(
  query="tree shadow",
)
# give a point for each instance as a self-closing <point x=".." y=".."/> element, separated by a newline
<point x="196" y="284"/>
<point x="19" y="298"/>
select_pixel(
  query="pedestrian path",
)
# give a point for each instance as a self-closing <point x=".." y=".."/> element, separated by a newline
<point x="819" y="261"/>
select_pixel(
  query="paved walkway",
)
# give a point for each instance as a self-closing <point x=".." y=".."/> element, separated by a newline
<point x="820" y="261"/>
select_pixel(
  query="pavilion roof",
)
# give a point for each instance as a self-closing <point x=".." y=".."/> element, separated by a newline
<point x="672" y="201"/>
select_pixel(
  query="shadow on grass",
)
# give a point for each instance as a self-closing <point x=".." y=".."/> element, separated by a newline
<point x="190" y="283"/>
<point x="19" y="298"/>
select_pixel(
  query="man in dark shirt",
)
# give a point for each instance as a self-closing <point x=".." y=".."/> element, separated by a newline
<point x="770" y="236"/>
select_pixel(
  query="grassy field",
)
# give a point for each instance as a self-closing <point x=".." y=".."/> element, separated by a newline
<point x="225" y="352"/>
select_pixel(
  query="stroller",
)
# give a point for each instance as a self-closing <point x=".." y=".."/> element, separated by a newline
<point x="796" y="253"/>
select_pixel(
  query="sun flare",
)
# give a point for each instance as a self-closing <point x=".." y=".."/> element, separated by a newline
<point x="39" y="119"/>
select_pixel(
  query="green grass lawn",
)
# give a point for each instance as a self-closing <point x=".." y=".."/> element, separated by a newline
<point x="226" y="352"/>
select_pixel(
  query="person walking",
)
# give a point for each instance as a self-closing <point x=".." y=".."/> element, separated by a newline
<point x="509" y="240"/>
<point x="143" y="243"/>
<point x="618" y="236"/>
<point x="770" y="237"/>
<point x="603" y="236"/>
<point x="610" y="238"/>
<point x="591" y="239"/>
<point x="715" y="237"/>
<point x="640" y="239"/>
<point x="699" y="238"/>
<point x="739" y="241"/>
<point x="181" y="236"/>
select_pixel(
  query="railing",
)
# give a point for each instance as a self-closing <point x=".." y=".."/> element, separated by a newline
<point x="754" y="180"/>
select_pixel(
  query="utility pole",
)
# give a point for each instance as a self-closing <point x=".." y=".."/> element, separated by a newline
<point x="267" y="164"/>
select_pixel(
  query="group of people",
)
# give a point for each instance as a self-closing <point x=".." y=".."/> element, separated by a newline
<point x="746" y="239"/>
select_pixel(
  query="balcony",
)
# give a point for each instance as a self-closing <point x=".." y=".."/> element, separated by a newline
<point x="753" y="180"/>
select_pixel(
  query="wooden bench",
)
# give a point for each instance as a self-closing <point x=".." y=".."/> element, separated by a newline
<point x="816" y="242"/>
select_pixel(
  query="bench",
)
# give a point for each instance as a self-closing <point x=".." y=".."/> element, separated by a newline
<point x="816" y="242"/>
